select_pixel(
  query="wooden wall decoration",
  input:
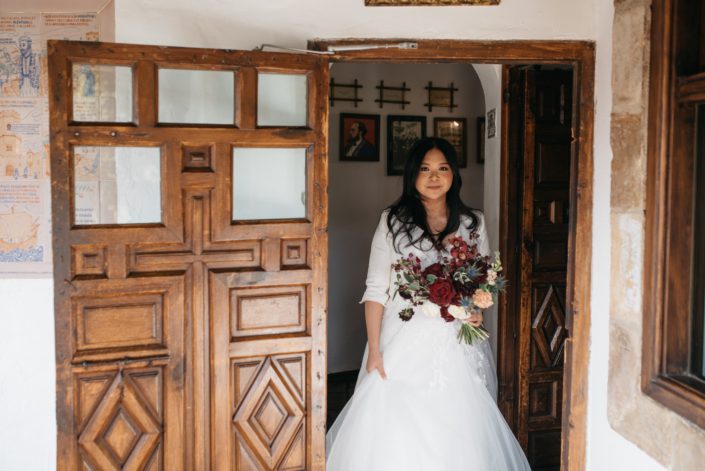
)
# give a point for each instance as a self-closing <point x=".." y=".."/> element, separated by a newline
<point x="346" y="92"/>
<point x="440" y="97"/>
<point x="392" y="95"/>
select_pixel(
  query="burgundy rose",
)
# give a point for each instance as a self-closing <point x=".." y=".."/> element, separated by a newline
<point x="441" y="292"/>
<point x="435" y="269"/>
<point x="464" y="289"/>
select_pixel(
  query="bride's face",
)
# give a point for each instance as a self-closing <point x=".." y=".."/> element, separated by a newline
<point x="435" y="176"/>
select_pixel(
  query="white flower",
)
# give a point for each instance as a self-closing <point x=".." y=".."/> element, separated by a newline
<point x="491" y="277"/>
<point x="458" y="312"/>
<point x="431" y="309"/>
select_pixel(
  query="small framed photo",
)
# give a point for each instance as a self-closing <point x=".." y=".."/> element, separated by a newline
<point x="402" y="134"/>
<point x="454" y="131"/>
<point x="491" y="125"/>
<point x="481" y="140"/>
<point x="359" y="137"/>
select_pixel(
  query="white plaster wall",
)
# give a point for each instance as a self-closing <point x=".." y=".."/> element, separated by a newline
<point x="244" y="24"/>
<point x="27" y="434"/>
<point x="491" y="78"/>
<point x="359" y="191"/>
<point x="607" y="449"/>
<point x="27" y="375"/>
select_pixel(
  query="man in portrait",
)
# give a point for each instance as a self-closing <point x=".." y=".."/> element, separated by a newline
<point x="357" y="146"/>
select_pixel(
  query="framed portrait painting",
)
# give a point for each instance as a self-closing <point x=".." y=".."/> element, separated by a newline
<point x="454" y="131"/>
<point x="359" y="137"/>
<point x="402" y="134"/>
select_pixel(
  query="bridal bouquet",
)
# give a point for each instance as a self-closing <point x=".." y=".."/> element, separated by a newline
<point x="451" y="288"/>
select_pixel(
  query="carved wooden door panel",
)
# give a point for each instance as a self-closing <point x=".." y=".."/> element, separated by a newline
<point x="189" y="193"/>
<point x="544" y="232"/>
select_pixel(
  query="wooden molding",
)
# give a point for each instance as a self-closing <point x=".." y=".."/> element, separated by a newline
<point x="581" y="55"/>
<point x="668" y="245"/>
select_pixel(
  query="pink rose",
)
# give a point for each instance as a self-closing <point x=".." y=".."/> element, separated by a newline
<point x="482" y="299"/>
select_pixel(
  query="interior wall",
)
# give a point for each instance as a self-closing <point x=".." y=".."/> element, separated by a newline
<point x="359" y="191"/>
<point x="490" y="76"/>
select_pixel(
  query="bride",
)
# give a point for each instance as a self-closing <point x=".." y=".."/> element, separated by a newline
<point x="423" y="401"/>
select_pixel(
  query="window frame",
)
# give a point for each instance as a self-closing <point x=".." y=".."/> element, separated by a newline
<point x="669" y="248"/>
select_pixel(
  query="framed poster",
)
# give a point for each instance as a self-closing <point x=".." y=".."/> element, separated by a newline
<point x="359" y="137"/>
<point x="402" y="134"/>
<point x="491" y="127"/>
<point x="453" y="130"/>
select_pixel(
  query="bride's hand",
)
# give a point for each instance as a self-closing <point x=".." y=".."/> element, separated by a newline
<point x="374" y="362"/>
<point x="475" y="319"/>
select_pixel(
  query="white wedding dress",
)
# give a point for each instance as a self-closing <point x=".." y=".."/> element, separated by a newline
<point x="437" y="410"/>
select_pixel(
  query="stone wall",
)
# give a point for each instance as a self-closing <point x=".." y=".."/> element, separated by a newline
<point x="666" y="436"/>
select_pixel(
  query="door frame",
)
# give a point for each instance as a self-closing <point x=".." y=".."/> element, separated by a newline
<point x="581" y="56"/>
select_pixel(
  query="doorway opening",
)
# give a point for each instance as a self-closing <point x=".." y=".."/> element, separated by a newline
<point x="362" y="185"/>
<point x="541" y="163"/>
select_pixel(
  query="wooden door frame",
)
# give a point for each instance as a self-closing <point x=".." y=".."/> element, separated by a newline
<point x="581" y="56"/>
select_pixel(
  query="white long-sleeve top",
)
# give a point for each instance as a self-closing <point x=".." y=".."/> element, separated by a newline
<point x="380" y="276"/>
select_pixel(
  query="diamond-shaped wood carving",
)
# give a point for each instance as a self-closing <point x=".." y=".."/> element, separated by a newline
<point x="122" y="432"/>
<point x="548" y="328"/>
<point x="121" y="436"/>
<point x="269" y="416"/>
<point x="293" y="368"/>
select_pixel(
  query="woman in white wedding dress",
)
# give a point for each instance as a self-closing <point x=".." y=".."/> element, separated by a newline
<point x="423" y="401"/>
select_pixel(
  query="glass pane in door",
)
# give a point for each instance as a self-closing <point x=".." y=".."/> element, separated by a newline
<point x="102" y="93"/>
<point x="196" y="96"/>
<point x="116" y="185"/>
<point x="282" y="99"/>
<point x="269" y="183"/>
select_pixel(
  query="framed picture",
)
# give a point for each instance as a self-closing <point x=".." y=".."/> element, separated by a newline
<point x="481" y="140"/>
<point x="402" y="134"/>
<point x="359" y="137"/>
<point x="454" y="131"/>
<point x="491" y="128"/>
<point x="387" y="3"/>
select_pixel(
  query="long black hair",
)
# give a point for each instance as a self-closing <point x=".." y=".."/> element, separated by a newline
<point x="408" y="212"/>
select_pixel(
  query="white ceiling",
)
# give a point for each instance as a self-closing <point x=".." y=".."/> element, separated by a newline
<point x="52" y="6"/>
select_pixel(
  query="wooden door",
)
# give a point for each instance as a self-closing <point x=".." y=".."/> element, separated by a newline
<point x="541" y="104"/>
<point x="189" y="192"/>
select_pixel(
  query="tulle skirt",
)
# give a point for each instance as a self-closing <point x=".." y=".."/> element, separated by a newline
<point x="436" y="411"/>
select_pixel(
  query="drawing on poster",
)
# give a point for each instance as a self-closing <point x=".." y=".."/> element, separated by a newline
<point x="21" y="70"/>
<point x="95" y="187"/>
<point x="23" y="145"/>
<point x="28" y="67"/>
<point x="18" y="237"/>
<point x="21" y="216"/>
